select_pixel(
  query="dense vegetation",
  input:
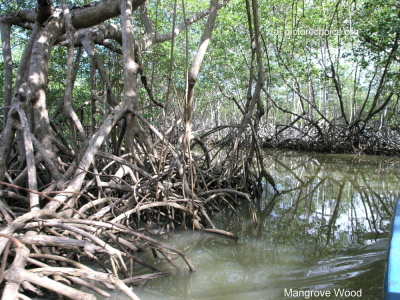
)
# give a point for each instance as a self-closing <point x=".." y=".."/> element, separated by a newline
<point x="121" y="114"/>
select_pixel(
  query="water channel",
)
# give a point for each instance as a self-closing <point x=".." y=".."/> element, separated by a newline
<point x="327" y="232"/>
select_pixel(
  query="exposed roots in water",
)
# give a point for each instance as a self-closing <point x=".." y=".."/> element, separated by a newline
<point x="374" y="141"/>
<point x="109" y="221"/>
<point x="90" y="188"/>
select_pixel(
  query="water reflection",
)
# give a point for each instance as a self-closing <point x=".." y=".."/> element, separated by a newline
<point x="327" y="230"/>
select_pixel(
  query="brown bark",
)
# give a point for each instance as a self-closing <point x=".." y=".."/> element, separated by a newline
<point x="7" y="58"/>
<point x="103" y="193"/>
<point x="44" y="10"/>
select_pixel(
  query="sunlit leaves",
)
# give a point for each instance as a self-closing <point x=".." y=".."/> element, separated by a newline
<point x="378" y="32"/>
<point x="301" y="41"/>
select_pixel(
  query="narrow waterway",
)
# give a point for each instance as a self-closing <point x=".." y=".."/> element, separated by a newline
<point x="324" y="237"/>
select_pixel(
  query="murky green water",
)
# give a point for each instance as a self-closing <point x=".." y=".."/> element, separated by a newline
<point x="325" y="233"/>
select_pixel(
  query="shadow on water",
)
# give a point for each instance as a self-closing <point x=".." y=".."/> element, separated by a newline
<point x="326" y="231"/>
